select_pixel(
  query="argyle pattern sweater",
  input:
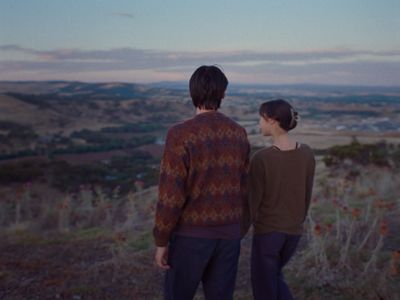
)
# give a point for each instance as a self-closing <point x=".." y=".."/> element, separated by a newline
<point x="202" y="175"/>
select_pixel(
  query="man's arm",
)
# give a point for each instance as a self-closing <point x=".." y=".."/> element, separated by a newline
<point x="245" y="222"/>
<point x="172" y="188"/>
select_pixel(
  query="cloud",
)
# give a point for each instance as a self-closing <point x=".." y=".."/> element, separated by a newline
<point x="123" y="15"/>
<point x="321" y="65"/>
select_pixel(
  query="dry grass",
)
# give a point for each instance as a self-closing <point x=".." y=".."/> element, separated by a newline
<point x="93" y="245"/>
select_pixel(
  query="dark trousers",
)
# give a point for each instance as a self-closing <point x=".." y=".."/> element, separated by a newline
<point x="211" y="261"/>
<point x="270" y="253"/>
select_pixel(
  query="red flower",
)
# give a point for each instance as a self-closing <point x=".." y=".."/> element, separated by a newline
<point x="384" y="229"/>
<point x="391" y="205"/>
<point x="393" y="270"/>
<point x="317" y="230"/>
<point x="329" y="227"/>
<point x="120" y="237"/>
<point x="355" y="212"/>
<point x="396" y="255"/>
<point x="371" y="192"/>
<point x="380" y="204"/>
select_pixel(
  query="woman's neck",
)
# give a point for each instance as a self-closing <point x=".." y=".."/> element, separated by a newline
<point x="283" y="141"/>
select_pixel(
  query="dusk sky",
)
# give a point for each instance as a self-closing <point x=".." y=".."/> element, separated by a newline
<point x="355" y="42"/>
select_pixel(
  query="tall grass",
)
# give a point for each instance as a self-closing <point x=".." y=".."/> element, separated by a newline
<point x="349" y="229"/>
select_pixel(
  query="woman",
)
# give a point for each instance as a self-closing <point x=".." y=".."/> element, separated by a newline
<point x="279" y="190"/>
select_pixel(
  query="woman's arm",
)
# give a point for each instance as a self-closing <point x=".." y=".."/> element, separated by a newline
<point x="255" y="192"/>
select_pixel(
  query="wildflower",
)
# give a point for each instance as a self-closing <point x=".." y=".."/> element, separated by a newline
<point x="384" y="222"/>
<point x="396" y="255"/>
<point x="345" y="209"/>
<point x="335" y="203"/>
<point x="380" y="204"/>
<point x="64" y="204"/>
<point x="107" y="205"/>
<point x="355" y="212"/>
<point x="120" y="237"/>
<point x="329" y="227"/>
<point x="393" y="270"/>
<point x="384" y="229"/>
<point x="391" y="205"/>
<point x="18" y="195"/>
<point x="315" y="199"/>
<point x="317" y="230"/>
<point x="371" y="192"/>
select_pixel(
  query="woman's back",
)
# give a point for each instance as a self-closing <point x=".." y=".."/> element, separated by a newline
<point x="280" y="184"/>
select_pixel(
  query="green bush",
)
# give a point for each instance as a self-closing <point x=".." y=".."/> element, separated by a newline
<point x="378" y="154"/>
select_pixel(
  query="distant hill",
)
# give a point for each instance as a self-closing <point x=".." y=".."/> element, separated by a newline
<point x="84" y="89"/>
<point x="67" y="106"/>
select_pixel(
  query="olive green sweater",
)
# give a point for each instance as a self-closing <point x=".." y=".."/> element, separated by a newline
<point x="279" y="190"/>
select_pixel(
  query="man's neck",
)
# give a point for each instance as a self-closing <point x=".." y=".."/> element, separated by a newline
<point x="203" y="110"/>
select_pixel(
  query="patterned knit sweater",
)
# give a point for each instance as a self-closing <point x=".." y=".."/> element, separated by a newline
<point x="202" y="175"/>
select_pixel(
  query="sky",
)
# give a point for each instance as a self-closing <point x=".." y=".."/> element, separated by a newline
<point x="351" y="42"/>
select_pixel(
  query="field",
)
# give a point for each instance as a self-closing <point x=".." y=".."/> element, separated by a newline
<point x="94" y="246"/>
<point x="78" y="184"/>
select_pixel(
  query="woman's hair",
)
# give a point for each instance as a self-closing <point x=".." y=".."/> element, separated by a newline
<point x="207" y="87"/>
<point x="281" y="111"/>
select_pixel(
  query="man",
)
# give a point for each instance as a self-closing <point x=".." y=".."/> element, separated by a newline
<point x="201" y="194"/>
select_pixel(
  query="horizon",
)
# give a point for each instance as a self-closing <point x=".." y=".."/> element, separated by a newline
<point x="231" y="84"/>
<point x="340" y="43"/>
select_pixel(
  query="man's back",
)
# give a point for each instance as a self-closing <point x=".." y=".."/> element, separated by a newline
<point x="208" y="155"/>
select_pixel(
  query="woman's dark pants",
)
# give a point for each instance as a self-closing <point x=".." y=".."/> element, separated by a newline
<point x="270" y="253"/>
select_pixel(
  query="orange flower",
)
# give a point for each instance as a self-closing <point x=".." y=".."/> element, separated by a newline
<point x="63" y="205"/>
<point x="355" y="212"/>
<point x="384" y="229"/>
<point x="380" y="204"/>
<point x="329" y="227"/>
<point x="393" y="270"/>
<point x="391" y="205"/>
<point x="317" y="230"/>
<point x="396" y="255"/>
<point x="384" y="222"/>
<point x="120" y="237"/>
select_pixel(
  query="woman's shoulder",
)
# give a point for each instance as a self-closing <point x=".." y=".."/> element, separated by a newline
<point x="307" y="150"/>
<point x="261" y="154"/>
<point x="305" y="147"/>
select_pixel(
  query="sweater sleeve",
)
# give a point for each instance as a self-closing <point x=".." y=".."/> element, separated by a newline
<point x="255" y="191"/>
<point x="172" y="186"/>
<point x="245" y="222"/>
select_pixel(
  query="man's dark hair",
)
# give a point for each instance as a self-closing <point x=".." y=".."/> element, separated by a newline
<point x="207" y="87"/>
<point x="281" y="111"/>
